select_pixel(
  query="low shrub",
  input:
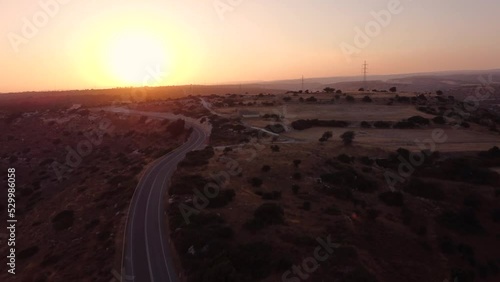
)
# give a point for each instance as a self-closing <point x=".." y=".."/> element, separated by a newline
<point x="28" y="252"/>
<point x="439" y="120"/>
<point x="265" y="215"/>
<point x="393" y="199"/>
<point x="197" y="158"/>
<point x="297" y="176"/>
<point x="63" y="220"/>
<point x="274" y="195"/>
<point x="365" y="124"/>
<point x="491" y="153"/>
<point x="463" y="221"/>
<point x="366" y="161"/>
<point x="419" y="120"/>
<point x="495" y="215"/>
<point x="367" y="99"/>
<point x="333" y="210"/>
<point x="382" y="124"/>
<point x="224" y="197"/>
<point x="345" y="159"/>
<point x="275" y="128"/>
<point x="351" y="179"/>
<point x="404" y="125"/>
<point x="306" y="124"/>
<point x="424" y="189"/>
<point x="372" y="214"/>
<point x="256" y="182"/>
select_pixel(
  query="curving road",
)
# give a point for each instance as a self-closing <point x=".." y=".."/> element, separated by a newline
<point x="147" y="255"/>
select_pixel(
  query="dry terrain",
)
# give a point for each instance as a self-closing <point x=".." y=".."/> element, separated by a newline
<point x="277" y="194"/>
<point x="71" y="218"/>
<point x="275" y="197"/>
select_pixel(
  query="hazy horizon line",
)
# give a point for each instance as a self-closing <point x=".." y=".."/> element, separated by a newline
<point x="248" y="82"/>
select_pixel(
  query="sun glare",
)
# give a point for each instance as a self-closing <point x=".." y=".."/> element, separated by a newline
<point x="133" y="56"/>
<point x="133" y="48"/>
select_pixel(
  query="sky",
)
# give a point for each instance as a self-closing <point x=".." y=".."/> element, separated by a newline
<point x="75" y="44"/>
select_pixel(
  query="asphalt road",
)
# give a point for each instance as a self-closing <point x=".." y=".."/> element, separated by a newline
<point x="147" y="255"/>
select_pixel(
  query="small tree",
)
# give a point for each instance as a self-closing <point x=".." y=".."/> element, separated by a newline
<point x="297" y="176"/>
<point x="439" y="92"/>
<point x="348" y="137"/>
<point x="311" y="99"/>
<point x="266" y="168"/>
<point x="329" y="90"/>
<point x="393" y="89"/>
<point x="256" y="182"/>
<point x="367" y="99"/>
<point x="327" y="135"/>
<point x="296" y="163"/>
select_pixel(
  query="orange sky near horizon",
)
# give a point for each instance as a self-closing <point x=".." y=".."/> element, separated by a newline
<point x="66" y="44"/>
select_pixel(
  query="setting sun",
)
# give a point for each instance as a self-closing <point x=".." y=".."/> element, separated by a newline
<point x="132" y="47"/>
<point x="131" y="55"/>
